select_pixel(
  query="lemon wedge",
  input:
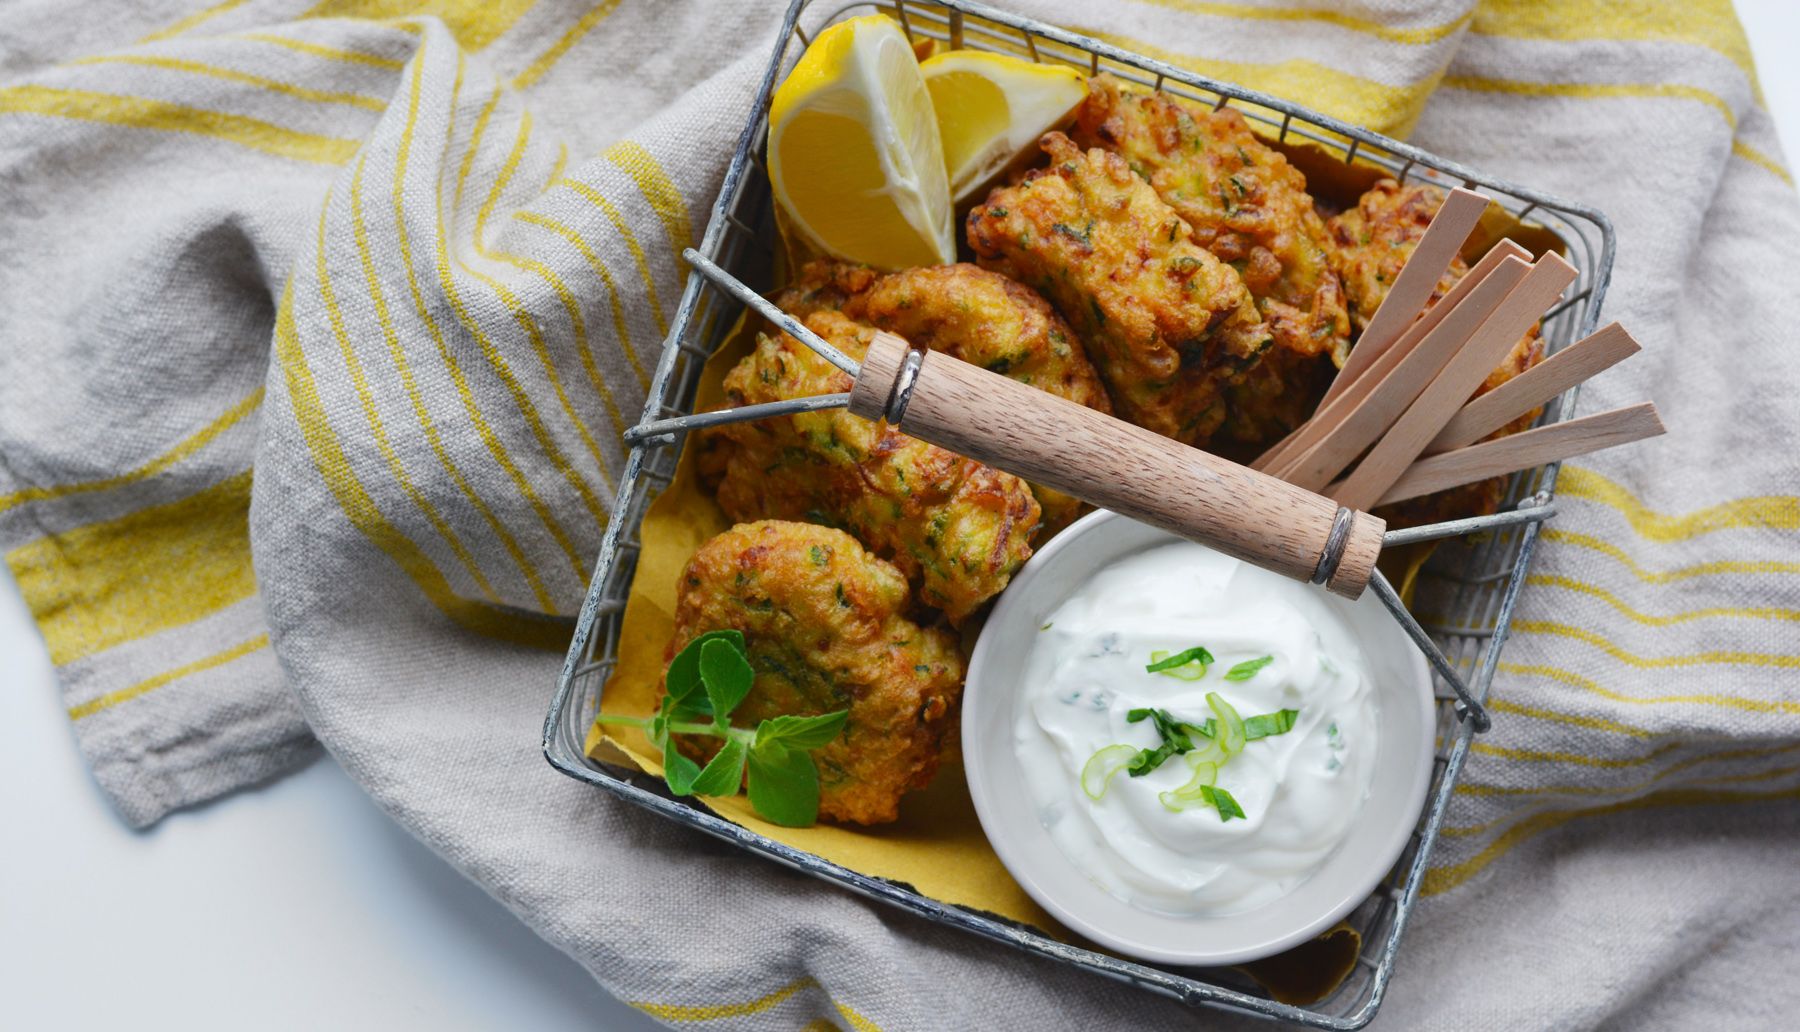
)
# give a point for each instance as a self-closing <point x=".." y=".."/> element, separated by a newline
<point x="992" y="108"/>
<point x="854" y="156"/>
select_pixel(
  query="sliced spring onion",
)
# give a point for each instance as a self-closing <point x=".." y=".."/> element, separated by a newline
<point x="1101" y="766"/>
<point x="1247" y="669"/>
<point x="1186" y="665"/>
<point x="1222" y="801"/>
<point x="1231" y="726"/>
<point x="1263" y="725"/>
<point x="1188" y="795"/>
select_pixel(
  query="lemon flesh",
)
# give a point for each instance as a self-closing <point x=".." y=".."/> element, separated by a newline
<point x="854" y="155"/>
<point x="992" y="108"/>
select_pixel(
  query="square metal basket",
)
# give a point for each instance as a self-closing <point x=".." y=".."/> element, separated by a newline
<point x="1471" y="586"/>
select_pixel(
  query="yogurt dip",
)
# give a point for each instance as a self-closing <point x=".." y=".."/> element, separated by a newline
<point x="1300" y="791"/>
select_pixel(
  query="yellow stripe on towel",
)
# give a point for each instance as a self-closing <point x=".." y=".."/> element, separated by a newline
<point x="474" y="23"/>
<point x="1721" y="567"/>
<point x="612" y="289"/>
<point x="1771" y="512"/>
<point x="193" y="20"/>
<point x="1595" y="91"/>
<point x="96" y="586"/>
<point x="1588" y="684"/>
<point x="693" y="1013"/>
<point x="1761" y="160"/>
<point x="188" y="446"/>
<point x="150" y="684"/>
<point x="1548" y="580"/>
<point x="372" y="413"/>
<point x="1703" y="23"/>
<point x="166" y="116"/>
<point x="583" y="25"/>
<point x="1706" y="658"/>
<point x="658" y="189"/>
<point x="261" y="82"/>
<point x="1443" y="879"/>
<point x="353" y="498"/>
<point x="451" y="366"/>
<point x="1386" y="109"/>
<point x="1366" y="26"/>
<point x="329" y="53"/>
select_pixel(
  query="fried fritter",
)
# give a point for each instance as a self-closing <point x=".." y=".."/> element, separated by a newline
<point x="1167" y="324"/>
<point x="1250" y="208"/>
<point x="954" y="527"/>
<point x="1374" y="240"/>
<point x="987" y="320"/>
<point x="825" y="628"/>
<point x="969" y="313"/>
<point x="824" y="285"/>
<point x="1246" y="204"/>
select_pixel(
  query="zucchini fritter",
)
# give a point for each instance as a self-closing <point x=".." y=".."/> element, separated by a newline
<point x="824" y="626"/>
<point x="954" y="527"/>
<point x="1250" y="208"/>
<point x="1374" y="240"/>
<point x="972" y="314"/>
<point x="987" y="320"/>
<point x="1167" y="324"/>
<point x="1245" y="203"/>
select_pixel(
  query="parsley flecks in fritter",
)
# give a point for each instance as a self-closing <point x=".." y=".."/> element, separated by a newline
<point x="954" y="527"/>
<point x="1249" y="207"/>
<point x="987" y="320"/>
<point x="1166" y="324"/>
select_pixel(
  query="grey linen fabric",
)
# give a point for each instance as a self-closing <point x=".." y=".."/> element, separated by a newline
<point x="447" y="291"/>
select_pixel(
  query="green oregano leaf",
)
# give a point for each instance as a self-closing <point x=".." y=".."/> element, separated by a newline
<point x="801" y="732"/>
<point x="784" y="785"/>
<point x="724" y="774"/>
<point x="683" y="679"/>
<point x="679" y="771"/>
<point x="726" y="674"/>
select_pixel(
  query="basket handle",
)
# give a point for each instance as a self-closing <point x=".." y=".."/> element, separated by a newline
<point x="1112" y="464"/>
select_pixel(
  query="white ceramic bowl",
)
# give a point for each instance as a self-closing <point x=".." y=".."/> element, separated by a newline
<point x="1396" y="795"/>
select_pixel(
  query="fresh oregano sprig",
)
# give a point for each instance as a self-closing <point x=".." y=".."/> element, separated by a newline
<point x="706" y="681"/>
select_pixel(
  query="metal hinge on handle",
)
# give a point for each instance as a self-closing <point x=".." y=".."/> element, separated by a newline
<point x="1000" y="422"/>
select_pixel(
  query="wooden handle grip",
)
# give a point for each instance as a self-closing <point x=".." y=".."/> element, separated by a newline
<point x="1113" y="464"/>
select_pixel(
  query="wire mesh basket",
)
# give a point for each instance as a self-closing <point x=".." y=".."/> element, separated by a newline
<point x="1470" y="586"/>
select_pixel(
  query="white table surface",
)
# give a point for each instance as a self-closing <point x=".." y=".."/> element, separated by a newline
<point x="300" y="905"/>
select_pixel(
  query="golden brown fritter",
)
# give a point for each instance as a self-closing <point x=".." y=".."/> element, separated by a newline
<point x="824" y="285"/>
<point x="954" y="527"/>
<point x="972" y="314"/>
<point x="1250" y="208"/>
<point x="987" y="320"/>
<point x="825" y="628"/>
<point x="1374" y="240"/>
<point x="1245" y="203"/>
<point x="1165" y="322"/>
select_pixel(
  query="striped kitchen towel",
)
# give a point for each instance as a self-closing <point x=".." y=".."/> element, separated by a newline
<point x="319" y="322"/>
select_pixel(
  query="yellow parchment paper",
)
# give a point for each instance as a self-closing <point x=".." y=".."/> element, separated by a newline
<point x="937" y="846"/>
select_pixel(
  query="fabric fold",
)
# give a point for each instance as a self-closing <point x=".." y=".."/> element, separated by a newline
<point x="319" y="324"/>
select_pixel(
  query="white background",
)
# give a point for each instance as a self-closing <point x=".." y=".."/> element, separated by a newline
<point x="300" y="905"/>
